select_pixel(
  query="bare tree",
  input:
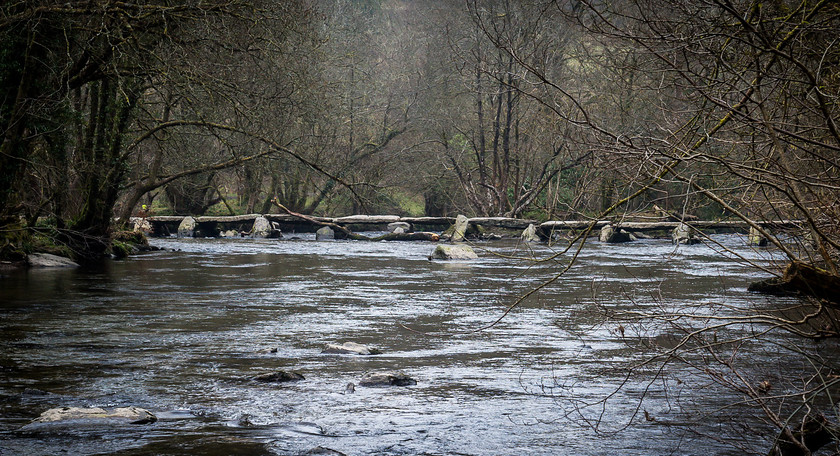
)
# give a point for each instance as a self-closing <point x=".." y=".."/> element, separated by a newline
<point x="740" y="110"/>
<point x="146" y="71"/>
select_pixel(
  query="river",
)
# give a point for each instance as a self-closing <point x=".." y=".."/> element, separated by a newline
<point x="183" y="331"/>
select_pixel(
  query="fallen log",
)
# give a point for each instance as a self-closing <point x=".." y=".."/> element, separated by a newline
<point x="418" y="236"/>
<point x="347" y="234"/>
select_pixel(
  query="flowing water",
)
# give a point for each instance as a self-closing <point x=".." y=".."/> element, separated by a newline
<point x="182" y="332"/>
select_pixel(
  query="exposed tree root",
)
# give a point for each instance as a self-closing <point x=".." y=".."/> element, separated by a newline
<point x="802" y="278"/>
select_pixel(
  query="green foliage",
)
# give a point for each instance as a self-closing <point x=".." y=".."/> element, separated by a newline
<point x="535" y="213"/>
<point x="410" y="205"/>
<point x="17" y="241"/>
<point x="120" y="249"/>
<point x="460" y="142"/>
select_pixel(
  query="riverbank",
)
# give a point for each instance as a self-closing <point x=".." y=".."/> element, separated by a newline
<point x="38" y="249"/>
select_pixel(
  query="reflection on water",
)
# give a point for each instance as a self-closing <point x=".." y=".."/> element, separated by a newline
<point x="182" y="332"/>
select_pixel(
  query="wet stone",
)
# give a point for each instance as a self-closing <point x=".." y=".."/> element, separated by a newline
<point x="46" y="260"/>
<point x="453" y="252"/>
<point x="683" y="234"/>
<point x="229" y="234"/>
<point x="386" y="379"/>
<point x="530" y="234"/>
<point x="350" y="348"/>
<point x="324" y="232"/>
<point x="462" y="224"/>
<point x="187" y="227"/>
<point x="263" y="229"/>
<point x="319" y="450"/>
<point x="132" y="415"/>
<point x="755" y="238"/>
<point x="279" y="377"/>
<point x="399" y="227"/>
<point x="613" y="235"/>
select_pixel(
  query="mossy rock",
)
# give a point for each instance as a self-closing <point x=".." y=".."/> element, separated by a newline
<point x="15" y="242"/>
<point x="473" y="231"/>
<point x="124" y="243"/>
<point x="131" y="237"/>
<point x="121" y="249"/>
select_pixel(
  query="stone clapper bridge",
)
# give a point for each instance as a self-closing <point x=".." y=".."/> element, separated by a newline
<point x="213" y="226"/>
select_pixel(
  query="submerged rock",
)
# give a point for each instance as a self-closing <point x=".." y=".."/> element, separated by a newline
<point x="319" y="450"/>
<point x="386" y="378"/>
<point x="350" y="348"/>
<point x="46" y="260"/>
<point x="279" y="377"/>
<point x="324" y="232"/>
<point x="187" y="227"/>
<point x="453" y="252"/>
<point x="131" y="415"/>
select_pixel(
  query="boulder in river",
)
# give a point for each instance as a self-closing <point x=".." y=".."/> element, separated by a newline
<point x="530" y="234"/>
<point x="462" y="224"/>
<point x="386" y="378"/>
<point x="399" y="227"/>
<point x="131" y="415"/>
<point x="350" y="348"/>
<point x="47" y="260"/>
<point x="756" y="239"/>
<point x="683" y="234"/>
<point x="279" y="377"/>
<point x="614" y="235"/>
<point x="324" y="232"/>
<point x="453" y="252"/>
<point x="229" y="234"/>
<point x="262" y="229"/>
<point x="187" y="227"/>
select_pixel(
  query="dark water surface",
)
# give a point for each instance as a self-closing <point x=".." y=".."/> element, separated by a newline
<point x="181" y="333"/>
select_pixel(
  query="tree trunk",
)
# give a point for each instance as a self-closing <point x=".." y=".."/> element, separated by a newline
<point x="101" y="168"/>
